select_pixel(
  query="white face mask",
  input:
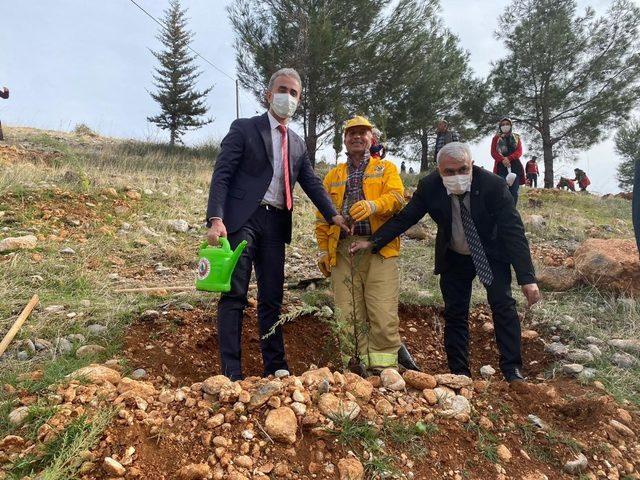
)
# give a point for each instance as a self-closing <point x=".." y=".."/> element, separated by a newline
<point x="505" y="128"/>
<point x="457" y="184"/>
<point x="284" y="105"/>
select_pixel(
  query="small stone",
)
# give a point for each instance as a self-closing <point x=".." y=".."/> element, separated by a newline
<point x="194" y="471"/>
<point x="139" y="374"/>
<point x="113" y="467"/>
<point x="67" y="251"/>
<point x="578" y="465"/>
<point x="459" y="405"/>
<point x="18" y="416"/>
<point x="243" y="461"/>
<point x="96" y="329"/>
<point x="487" y="371"/>
<point x="350" y="468"/>
<point x="360" y="388"/>
<point x="166" y="396"/>
<point x="392" y="380"/>
<point x="22" y="355"/>
<point x="281" y="424"/>
<point x="27" y="242"/>
<point x="587" y="374"/>
<point x="331" y="406"/>
<point x="621" y="428"/>
<point x="63" y="345"/>
<point x="180" y="226"/>
<point x="264" y="393"/>
<point x="384" y="407"/>
<point x="556" y="348"/>
<point x="89" y="351"/>
<point x="281" y="373"/>
<point x="537" y="421"/>
<point x="149" y="315"/>
<point x="628" y="345"/>
<point x="97" y="374"/>
<point x="247" y="434"/>
<point x="623" y="360"/>
<point x="76" y="337"/>
<point x="572" y="368"/>
<point x="577" y="355"/>
<point x="430" y="396"/>
<point x="488" y="327"/>
<point x="594" y="350"/>
<point x="54" y="309"/>
<point x="503" y="453"/>
<point x="42" y="344"/>
<point x="529" y="334"/>
<point x="323" y="387"/>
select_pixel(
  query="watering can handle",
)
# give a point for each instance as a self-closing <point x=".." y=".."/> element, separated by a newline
<point x="224" y="244"/>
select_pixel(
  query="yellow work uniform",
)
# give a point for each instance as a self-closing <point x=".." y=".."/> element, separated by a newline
<point x="375" y="276"/>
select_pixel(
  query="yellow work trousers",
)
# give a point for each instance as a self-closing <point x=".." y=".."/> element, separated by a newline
<point x="376" y="285"/>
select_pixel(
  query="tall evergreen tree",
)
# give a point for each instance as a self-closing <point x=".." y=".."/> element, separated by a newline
<point x="182" y="105"/>
<point x="567" y="78"/>
<point x="345" y="51"/>
<point x="628" y="147"/>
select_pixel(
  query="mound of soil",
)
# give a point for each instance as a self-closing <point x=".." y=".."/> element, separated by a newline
<point x="181" y="348"/>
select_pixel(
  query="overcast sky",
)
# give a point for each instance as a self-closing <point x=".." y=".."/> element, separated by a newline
<point x="88" y="62"/>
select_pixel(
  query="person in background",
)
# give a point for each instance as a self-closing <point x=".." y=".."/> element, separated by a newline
<point x="403" y="167"/>
<point x="4" y="93"/>
<point x="444" y="136"/>
<point x="377" y="148"/>
<point x="251" y="198"/>
<point x="506" y="150"/>
<point x="582" y="179"/>
<point x="532" y="172"/>
<point x="368" y="190"/>
<point x="480" y="234"/>
<point x="567" y="183"/>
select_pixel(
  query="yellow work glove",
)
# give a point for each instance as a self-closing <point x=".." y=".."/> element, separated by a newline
<point x="324" y="265"/>
<point x="362" y="210"/>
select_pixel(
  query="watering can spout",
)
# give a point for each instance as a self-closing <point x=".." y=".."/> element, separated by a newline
<point x="237" y="252"/>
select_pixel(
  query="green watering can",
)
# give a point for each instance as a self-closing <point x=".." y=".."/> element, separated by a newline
<point x="216" y="266"/>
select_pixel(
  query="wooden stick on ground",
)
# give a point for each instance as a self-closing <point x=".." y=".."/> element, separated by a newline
<point x="18" y="323"/>
<point x="155" y="289"/>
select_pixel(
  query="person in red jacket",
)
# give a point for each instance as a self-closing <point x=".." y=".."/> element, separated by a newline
<point x="506" y="150"/>
<point x="532" y="172"/>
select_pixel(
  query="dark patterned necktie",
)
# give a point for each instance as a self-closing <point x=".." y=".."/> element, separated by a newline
<point x="483" y="269"/>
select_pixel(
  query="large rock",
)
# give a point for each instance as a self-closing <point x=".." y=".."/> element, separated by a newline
<point x="28" y="242"/>
<point x="359" y="388"/>
<point x="350" y="468"/>
<point x="313" y="377"/>
<point x="136" y="388"/>
<point x="610" y="264"/>
<point x="281" y="424"/>
<point x="95" y="373"/>
<point x="454" y="381"/>
<point x="331" y="406"/>
<point x="419" y="380"/>
<point x="264" y="393"/>
<point x="556" y="279"/>
<point x="392" y="380"/>
<point x="212" y="385"/>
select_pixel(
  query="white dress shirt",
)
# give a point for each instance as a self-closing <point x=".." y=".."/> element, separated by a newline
<point x="275" y="193"/>
<point x="458" y="238"/>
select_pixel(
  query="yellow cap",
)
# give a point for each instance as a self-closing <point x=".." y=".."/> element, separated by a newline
<point x="357" y="121"/>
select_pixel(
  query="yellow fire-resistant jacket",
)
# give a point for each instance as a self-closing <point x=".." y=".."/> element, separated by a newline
<point x="381" y="184"/>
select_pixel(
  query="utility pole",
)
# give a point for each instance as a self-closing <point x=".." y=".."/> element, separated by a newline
<point x="237" y="99"/>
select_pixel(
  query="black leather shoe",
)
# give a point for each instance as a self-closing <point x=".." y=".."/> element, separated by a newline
<point x="406" y="360"/>
<point x="515" y="376"/>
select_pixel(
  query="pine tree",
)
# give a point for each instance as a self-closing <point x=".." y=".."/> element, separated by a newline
<point x="182" y="106"/>
<point x="567" y="79"/>
<point x="628" y="148"/>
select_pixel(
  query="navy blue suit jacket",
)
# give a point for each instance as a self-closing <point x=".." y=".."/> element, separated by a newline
<point x="244" y="169"/>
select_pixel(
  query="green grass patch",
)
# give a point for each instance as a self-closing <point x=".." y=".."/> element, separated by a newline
<point x="60" y="458"/>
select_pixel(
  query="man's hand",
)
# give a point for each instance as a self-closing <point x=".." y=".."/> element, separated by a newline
<point x="362" y="210"/>
<point x="532" y="293"/>
<point x="360" y="245"/>
<point x="216" y="231"/>
<point x="324" y="265"/>
<point x="341" y="222"/>
<point x="506" y="162"/>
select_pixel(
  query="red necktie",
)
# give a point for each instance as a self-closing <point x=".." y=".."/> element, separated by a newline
<point x="285" y="165"/>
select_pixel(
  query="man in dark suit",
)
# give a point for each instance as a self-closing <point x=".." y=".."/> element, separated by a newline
<point x="480" y="233"/>
<point x="4" y="93"/>
<point x="251" y="198"/>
